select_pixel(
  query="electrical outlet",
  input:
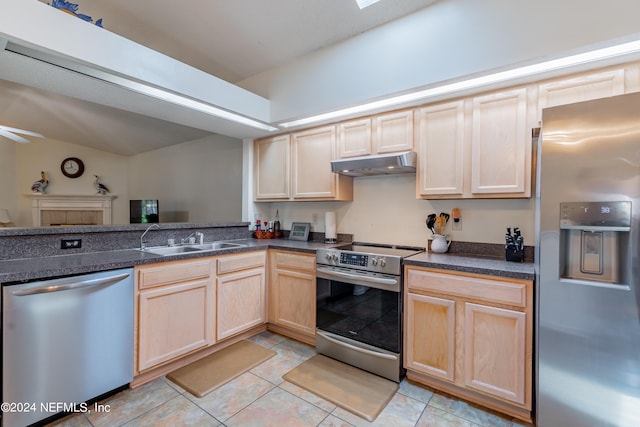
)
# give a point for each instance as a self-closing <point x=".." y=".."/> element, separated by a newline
<point x="456" y="225"/>
<point x="70" y="243"/>
<point x="315" y="218"/>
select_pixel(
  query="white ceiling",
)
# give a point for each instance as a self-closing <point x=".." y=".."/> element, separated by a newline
<point x="230" y="39"/>
<point x="236" y="39"/>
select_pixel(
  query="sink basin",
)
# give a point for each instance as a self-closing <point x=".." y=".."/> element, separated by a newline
<point x="215" y="245"/>
<point x="176" y="250"/>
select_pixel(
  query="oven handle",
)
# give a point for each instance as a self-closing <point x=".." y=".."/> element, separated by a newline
<point x="355" y="348"/>
<point x="324" y="273"/>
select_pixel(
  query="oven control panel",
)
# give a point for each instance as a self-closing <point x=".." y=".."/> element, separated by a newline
<point x="361" y="261"/>
<point x="358" y="260"/>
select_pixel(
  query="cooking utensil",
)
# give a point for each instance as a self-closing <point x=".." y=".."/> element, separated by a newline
<point x="431" y="220"/>
<point x="440" y="224"/>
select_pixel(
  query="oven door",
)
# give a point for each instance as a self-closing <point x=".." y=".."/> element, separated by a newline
<point x="364" y="307"/>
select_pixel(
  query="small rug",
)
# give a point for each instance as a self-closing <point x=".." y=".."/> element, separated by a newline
<point x="350" y="388"/>
<point x="205" y="375"/>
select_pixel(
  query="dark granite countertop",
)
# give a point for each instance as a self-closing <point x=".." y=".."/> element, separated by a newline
<point x="471" y="264"/>
<point x="25" y="269"/>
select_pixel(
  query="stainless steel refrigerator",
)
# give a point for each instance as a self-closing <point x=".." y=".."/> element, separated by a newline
<point x="588" y="270"/>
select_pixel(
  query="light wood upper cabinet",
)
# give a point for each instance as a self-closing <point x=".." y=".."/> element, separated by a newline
<point x="580" y="88"/>
<point x="297" y="166"/>
<point x="501" y="144"/>
<point x="176" y="310"/>
<point x="393" y="132"/>
<point x="312" y="152"/>
<point x="383" y="133"/>
<point x="241" y="293"/>
<point x="272" y="168"/>
<point x="441" y="149"/>
<point x="472" y="336"/>
<point x="354" y="138"/>
<point x="292" y="295"/>
<point x="475" y="148"/>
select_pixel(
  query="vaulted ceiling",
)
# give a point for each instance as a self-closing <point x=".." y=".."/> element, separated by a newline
<point x="230" y="39"/>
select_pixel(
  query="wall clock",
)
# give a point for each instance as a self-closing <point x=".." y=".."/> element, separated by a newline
<point x="72" y="167"/>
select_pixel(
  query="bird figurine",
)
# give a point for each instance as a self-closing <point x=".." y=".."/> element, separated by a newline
<point x="102" y="189"/>
<point x="40" y="185"/>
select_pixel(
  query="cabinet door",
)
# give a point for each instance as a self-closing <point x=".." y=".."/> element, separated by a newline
<point x="430" y="335"/>
<point x="501" y="145"/>
<point x="292" y="300"/>
<point x="354" y="138"/>
<point x="581" y="88"/>
<point x="495" y="352"/>
<point x="313" y="151"/>
<point x="272" y="173"/>
<point x="174" y="320"/>
<point x="393" y="132"/>
<point x="440" y="148"/>
<point x="241" y="301"/>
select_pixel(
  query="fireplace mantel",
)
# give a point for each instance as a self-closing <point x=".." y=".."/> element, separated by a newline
<point x="70" y="203"/>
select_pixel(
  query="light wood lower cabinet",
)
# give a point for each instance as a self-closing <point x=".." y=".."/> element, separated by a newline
<point x="292" y="295"/>
<point x="471" y="336"/>
<point x="241" y="293"/>
<point x="430" y="341"/>
<point x="176" y="310"/>
<point x="495" y="351"/>
<point x="186" y="306"/>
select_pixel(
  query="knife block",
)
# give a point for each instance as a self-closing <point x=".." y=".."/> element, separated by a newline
<point x="513" y="254"/>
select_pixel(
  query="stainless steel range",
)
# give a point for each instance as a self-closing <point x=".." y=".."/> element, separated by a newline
<point x="359" y="306"/>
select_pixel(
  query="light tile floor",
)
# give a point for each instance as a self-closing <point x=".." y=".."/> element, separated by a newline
<point x="261" y="397"/>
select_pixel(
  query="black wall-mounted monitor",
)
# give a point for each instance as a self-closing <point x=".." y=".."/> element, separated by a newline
<point x="143" y="211"/>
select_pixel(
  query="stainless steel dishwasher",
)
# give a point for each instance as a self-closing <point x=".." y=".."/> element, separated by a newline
<point x="65" y="341"/>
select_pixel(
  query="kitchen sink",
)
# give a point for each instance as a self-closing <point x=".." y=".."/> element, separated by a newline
<point x="177" y="250"/>
<point x="215" y="245"/>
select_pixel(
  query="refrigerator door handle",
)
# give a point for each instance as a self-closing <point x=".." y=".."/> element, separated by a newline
<point x="45" y="289"/>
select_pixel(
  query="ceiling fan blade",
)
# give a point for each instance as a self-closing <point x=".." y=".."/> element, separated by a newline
<point x="13" y="137"/>
<point x="22" y="131"/>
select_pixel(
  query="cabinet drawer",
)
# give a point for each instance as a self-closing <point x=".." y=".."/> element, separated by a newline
<point x="483" y="288"/>
<point x="232" y="263"/>
<point x="296" y="261"/>
<point x="172" y="272"/>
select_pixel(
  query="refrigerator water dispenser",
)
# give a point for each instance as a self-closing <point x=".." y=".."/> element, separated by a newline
<point x="592" y="235"/>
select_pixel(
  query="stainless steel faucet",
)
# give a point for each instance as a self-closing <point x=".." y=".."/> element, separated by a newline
<point x="198" y="236"/>
<point x="145" y="232"/>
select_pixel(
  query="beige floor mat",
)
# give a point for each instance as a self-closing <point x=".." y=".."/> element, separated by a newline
<point x="350" y="388"/>
<point x="205" y="375"/>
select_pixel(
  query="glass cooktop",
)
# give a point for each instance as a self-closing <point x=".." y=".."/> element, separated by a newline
<point x="379" y="249"/>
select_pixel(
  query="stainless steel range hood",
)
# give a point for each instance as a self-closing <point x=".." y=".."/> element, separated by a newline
<point x="382" y="164"/>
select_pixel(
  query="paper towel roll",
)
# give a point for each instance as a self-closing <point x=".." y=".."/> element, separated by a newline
<point x="330" y="235"/>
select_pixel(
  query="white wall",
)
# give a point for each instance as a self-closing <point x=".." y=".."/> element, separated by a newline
<point x="450" y="39"/>
<point x="47" y="155"/>
<point x="197" y="181"/>
<point x="8" y="196"/>
<point x="385" y="210"/>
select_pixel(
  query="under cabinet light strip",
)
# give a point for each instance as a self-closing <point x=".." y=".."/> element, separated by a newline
<point x="525" y="71"/>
